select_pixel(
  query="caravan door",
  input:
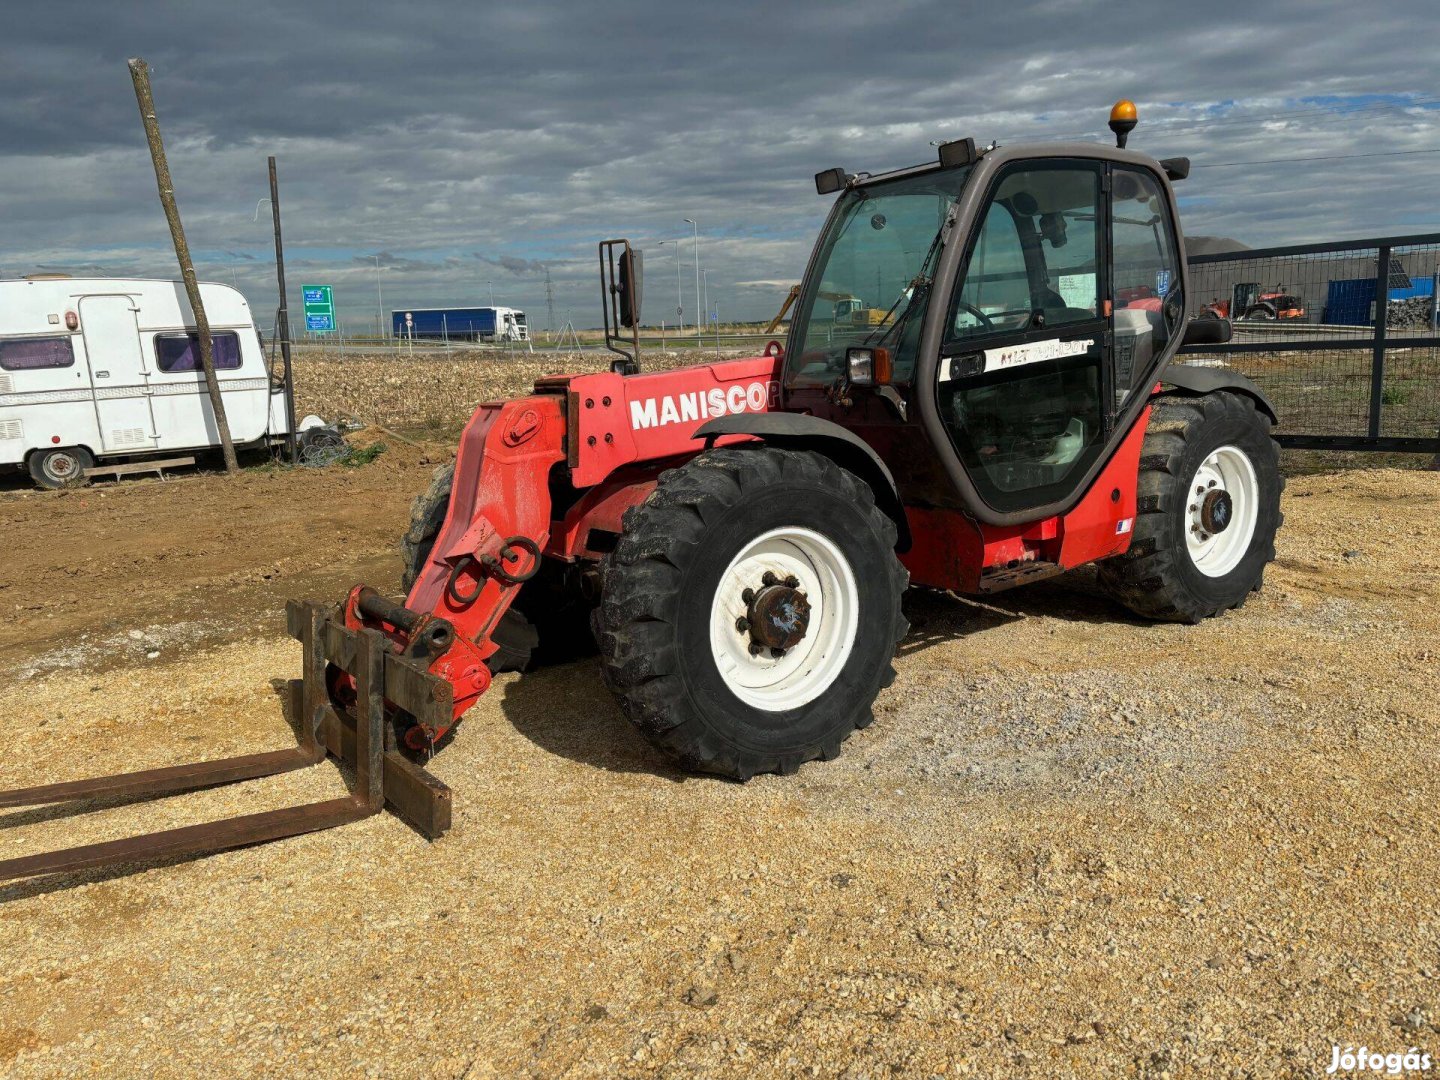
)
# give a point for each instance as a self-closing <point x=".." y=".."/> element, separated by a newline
<point x="118" y="376"/>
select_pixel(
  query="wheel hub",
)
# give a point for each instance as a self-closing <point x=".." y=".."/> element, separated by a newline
<point x="784" y="618"/>
<point x="1223" y="511"/>
<point x="779" y="616"/>
<point x="1216" y="511"/>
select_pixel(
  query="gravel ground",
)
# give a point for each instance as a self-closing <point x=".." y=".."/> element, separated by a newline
<point x="1072" y="844"/>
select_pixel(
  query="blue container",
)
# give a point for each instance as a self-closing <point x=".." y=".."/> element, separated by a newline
<point x="1350" y="302"/>
<point x="1418" y="287"/>
<point x="450" y="323"/>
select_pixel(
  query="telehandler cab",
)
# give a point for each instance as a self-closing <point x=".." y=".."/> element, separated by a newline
<point x="738" y="535"/>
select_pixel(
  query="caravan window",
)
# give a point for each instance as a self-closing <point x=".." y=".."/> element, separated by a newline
<point x="27" y="354"/>
<point x="181" y="352"/>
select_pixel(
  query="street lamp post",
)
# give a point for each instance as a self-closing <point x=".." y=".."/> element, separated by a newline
<point x="492" y="292"/>
<point x="380" y="299"/>
<point x="696" y="246"/>
<point x="705" y="293"/>
<point x="679" y="303"/>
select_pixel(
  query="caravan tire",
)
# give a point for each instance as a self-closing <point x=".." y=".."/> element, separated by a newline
<point x="60" y="466"/>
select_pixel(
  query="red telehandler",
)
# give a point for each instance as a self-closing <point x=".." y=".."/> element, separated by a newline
<point x="737" y="536"/>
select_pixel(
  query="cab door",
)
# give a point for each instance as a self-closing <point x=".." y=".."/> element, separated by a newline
<point x="1025" y="357"/>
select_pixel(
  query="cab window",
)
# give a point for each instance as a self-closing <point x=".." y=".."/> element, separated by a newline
<point x="1148" y="305"/>
<point x="996" y="293"/>
<point x="1033" y="265"/>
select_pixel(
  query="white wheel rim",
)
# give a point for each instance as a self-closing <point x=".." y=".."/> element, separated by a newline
<point x="805" y="671"/>
<point x="61" y="466"/>
<point x="1230" y="470"/>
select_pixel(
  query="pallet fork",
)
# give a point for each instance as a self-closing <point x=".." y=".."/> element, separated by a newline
<point x="383" y="776"/>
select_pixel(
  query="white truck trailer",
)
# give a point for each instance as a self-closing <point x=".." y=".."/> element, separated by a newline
<point x="96" y="369"/>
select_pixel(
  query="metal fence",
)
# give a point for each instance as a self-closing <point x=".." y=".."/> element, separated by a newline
<point x="1343" y="337"/>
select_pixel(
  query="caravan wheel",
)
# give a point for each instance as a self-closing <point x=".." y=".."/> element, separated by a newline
<point x="60" y="466"/>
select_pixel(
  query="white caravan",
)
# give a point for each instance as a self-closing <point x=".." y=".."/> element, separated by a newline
<point x="103" y="368"/>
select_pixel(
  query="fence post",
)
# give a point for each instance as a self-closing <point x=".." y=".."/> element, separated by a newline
<point x="1377" y="359"/>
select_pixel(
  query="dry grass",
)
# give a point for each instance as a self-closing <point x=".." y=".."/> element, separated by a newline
<point x="438" y="392"/>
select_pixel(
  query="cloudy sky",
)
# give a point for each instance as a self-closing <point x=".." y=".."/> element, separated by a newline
<point x="469" y="146"/>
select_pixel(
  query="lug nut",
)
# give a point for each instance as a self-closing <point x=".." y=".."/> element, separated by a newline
<point x="755" y="648"/>
<point x="768" y="578"/>
<point x="777" y="653"/>
<point x="749" y="594"/>
<point x="792" y="582"/>
<point x="742" y="624"/>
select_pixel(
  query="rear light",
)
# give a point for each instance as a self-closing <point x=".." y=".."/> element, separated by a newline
<point x="868" y="367"/>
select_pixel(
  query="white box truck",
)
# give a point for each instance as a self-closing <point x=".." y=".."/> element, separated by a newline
<point x="96" y="369"/>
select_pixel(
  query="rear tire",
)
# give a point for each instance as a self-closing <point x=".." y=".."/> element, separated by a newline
<point x="674" y="595"/>
<point x="60" y="466"/>
<point x="1180" y="567"/>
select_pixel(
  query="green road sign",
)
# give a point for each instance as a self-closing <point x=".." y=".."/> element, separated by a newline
<point x="319" y="308"/>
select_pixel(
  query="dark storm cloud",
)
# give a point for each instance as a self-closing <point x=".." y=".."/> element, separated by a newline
<point x="514" y="264"/>
<point x="424" y="132"/>
<point x="389" y="261"/>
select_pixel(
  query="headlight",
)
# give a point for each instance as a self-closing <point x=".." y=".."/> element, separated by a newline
<point x="867" y="366"/>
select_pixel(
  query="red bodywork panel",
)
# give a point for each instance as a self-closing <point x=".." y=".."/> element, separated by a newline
<point x="950" y="551"/>
<point x="620" y="419"/>
<point x="553" y="474"/>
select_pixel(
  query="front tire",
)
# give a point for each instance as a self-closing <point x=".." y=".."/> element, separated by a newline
<point x="1208" y="510"/>
<point x="751" y="609"/>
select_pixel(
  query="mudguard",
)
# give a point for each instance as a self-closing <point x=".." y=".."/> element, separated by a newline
<point x="844" y="447"/>
<point x="1206" y="380"/>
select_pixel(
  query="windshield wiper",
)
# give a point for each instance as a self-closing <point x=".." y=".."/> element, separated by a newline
<point x="919" y="285"/>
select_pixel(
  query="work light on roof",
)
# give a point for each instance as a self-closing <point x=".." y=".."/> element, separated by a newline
<point x="1122" y="120"/>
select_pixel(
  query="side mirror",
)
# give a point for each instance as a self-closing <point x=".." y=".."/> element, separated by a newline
<point x="630" y="287"/>
<point x="1207" y="330"/>
<point x="620" y="305"/>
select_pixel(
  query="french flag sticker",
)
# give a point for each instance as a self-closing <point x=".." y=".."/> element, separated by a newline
<point x="1123" y="526"/>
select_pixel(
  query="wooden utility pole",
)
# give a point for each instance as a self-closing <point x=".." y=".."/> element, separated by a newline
<point x="140" y="76"/>
<point x="282" y="319"/>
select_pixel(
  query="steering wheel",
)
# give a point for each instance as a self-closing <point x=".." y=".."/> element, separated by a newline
<point x="986" y="323"/>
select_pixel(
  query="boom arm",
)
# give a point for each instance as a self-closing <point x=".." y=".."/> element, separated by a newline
<point x="602" y="439"/>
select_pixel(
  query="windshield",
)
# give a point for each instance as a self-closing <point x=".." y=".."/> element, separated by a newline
<point x="871" y="282"/>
